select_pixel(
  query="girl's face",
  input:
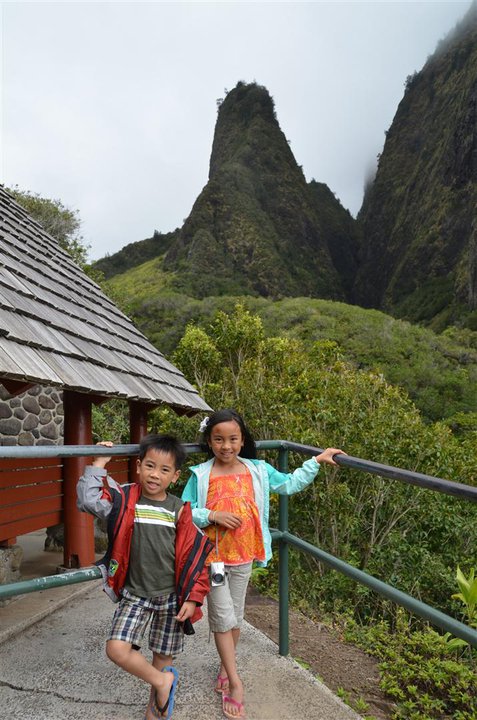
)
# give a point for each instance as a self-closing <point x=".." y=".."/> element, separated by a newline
<point x="226" y="441"/>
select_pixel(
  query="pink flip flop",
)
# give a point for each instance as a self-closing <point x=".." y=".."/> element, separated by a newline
<point x="236" y="704"/>
<point x="221" y="684"/>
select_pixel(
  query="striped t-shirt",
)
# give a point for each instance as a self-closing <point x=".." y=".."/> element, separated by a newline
<point x="152" y="557"/>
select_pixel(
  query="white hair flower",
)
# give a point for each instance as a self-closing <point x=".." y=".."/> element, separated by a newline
<point x="203" y="424"/>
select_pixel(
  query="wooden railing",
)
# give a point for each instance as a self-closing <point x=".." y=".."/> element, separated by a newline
<point x="31" y="493"/>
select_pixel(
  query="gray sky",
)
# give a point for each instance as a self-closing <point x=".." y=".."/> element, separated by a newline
<point x="111" y="107"/>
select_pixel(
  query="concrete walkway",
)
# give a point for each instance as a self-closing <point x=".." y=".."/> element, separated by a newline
<point x="56" y="668"/>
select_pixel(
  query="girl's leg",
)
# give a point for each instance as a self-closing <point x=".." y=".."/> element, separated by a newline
<point x="225" y="644"/>
<point x="237" y="578"/>
<point x="223" y="680"/>
<point x="123" y="654"/>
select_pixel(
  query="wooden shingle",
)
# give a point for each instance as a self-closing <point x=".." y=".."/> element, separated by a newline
<point x="58" y="328"/>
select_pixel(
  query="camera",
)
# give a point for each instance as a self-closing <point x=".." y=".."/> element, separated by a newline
<point x="217" y="574"/>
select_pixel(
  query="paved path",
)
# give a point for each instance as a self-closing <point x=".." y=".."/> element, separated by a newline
<point x="56" y="668"/>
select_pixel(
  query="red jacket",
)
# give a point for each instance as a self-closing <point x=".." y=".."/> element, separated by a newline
<point x="192" y="548"/>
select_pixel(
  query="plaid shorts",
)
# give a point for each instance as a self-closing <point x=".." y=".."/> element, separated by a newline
<point x="133" y="615"/>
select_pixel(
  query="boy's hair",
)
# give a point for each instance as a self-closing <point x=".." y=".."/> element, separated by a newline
<point x="249" y="449"/>
<point x="163" y="443"/>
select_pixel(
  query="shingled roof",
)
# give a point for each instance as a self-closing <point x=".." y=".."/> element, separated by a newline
<point x="58" y="328"/>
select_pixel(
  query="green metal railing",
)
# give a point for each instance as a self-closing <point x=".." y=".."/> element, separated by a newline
<point x="282" y="535"/>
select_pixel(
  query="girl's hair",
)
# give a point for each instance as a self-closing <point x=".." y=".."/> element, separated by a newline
<point x="249" y="449"/>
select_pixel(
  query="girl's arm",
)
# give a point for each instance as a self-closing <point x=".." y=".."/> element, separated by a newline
<point x="200" y="516"/>
<point x="289" y="483"/>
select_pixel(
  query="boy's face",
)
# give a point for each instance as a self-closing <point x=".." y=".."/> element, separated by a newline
<point x="156" y="472"/>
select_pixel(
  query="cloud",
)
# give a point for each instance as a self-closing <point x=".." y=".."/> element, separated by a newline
<point x="111" y="107"/>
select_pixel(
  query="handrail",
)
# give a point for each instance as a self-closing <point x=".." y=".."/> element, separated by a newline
<point x="427" y="612"/>
<point x="429" y="482"/>
<point x="284" y="538"/>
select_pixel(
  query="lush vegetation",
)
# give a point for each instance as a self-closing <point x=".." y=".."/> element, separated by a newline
<point x="438" y="371"/>
<point x="313" y="396"/>
<point x="410" y="538"/>
<point x="134" y="254"/>
<point x="419" y="251"/>
<point x="425" y="679"/>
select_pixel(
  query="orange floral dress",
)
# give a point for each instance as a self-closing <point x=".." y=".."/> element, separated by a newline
<point x="234" y="493"/>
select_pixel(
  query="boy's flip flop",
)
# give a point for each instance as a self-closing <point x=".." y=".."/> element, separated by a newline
<point x="158" y="711"/>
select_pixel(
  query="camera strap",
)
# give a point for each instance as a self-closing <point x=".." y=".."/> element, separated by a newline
<point x="217" y="540"/>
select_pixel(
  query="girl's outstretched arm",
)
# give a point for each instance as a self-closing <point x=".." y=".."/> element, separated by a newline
<point x="290" y="483"/>
<point x="327" y="456"/>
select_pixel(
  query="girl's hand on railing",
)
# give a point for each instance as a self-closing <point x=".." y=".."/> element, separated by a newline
<point x="327" y="456"/>
<point x="102" y="460"/>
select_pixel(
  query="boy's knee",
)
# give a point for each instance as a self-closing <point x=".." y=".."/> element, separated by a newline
<point x="118" y="651"/>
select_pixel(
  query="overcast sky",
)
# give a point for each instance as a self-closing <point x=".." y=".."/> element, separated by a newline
<point x="111" y="107"/>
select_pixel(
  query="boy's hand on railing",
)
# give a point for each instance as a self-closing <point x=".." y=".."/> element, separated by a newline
<point x="327" y="456"/>
<point x="102" y="460"/>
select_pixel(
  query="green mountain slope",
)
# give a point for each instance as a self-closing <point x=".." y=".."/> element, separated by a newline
<point x="419" y="217"/>
<point x="438" y="371"/>
<point x="135" y="254"/>
<point x="257" y="227"/>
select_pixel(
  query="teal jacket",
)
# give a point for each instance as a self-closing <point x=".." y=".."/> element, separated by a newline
<point x="266" y="479"/>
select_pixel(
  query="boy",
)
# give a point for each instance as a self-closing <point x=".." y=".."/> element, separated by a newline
<point x="154" y="554"/>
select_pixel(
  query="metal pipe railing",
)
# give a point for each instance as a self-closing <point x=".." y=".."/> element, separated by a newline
<point x="284" y="538"/>
<point x="427" y="612"/>
<point x="429" y="482"/>
<point x="69" y="577"/>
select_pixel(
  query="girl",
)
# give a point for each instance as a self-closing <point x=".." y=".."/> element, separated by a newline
<point x="229" y="496"/>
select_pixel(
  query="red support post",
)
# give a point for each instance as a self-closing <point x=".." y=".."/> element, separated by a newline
<point x="138" y="412"/>
<point x="79" y="527"/>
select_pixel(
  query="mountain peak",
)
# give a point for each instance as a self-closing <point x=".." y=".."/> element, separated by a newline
<point x="246" y="126"/>
<point x="256" y="226"/>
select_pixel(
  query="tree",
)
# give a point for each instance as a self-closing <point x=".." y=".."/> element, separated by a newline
<point x="57" y="220"/>
<point x="61" y="223"/>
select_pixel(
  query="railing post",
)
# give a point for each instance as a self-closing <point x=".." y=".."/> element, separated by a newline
<point x="283" y="591"/>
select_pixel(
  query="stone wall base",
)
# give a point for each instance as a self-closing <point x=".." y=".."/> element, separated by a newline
<point x="55" y="537"/>
<point x="10" y="562"/>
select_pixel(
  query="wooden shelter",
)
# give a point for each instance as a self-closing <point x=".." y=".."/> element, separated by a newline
<point x="57" y="328"/>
